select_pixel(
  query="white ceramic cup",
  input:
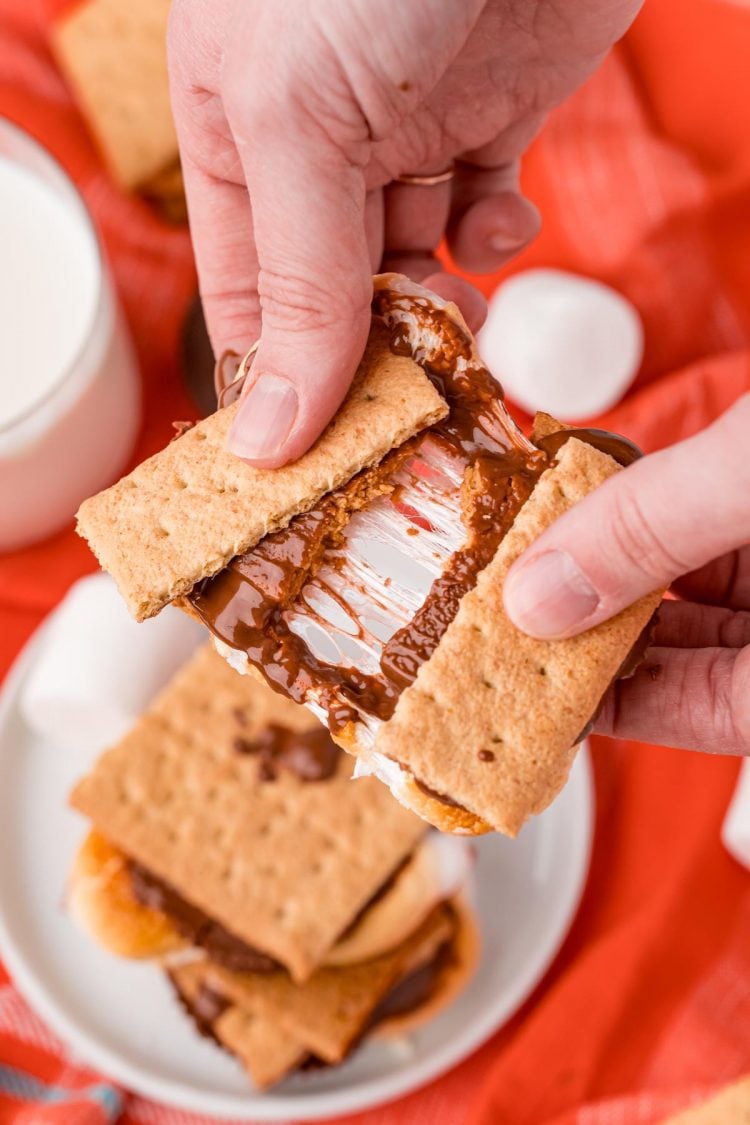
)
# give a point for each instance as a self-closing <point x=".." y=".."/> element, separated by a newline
<point x="69" y="388"/>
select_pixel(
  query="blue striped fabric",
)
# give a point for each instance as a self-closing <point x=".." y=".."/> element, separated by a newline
<point x="17" y="1084"/>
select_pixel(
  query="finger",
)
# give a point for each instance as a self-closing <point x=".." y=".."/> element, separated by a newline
<point x="471" y="302"/>
<point x="314" y="281"/>
<point x="664" y="516"/>
<point x="374" y="227"/>
<point x="490" y="219"/>
<point x="417" y="266"/>
<point x="698" y="699"/>
<point x="221" y="227"/>
<point x="415" y="216"/>
<point x="221" y="224"/>
<point x="725" y="581"/>
<point x="689" y="625"/>
<point x="492" y="230"/>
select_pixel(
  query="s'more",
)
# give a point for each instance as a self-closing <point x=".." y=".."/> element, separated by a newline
<point x="365" y="580"/>
<point x="294" y="913"/>
<point x="113" y="55"/>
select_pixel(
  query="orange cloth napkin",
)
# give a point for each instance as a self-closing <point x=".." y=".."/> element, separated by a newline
<point x="643" y="180"/>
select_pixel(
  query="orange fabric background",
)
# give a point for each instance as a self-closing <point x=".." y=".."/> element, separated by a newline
<point x="643" y="179"/>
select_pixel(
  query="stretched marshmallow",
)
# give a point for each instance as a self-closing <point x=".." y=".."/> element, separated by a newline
<point x="561" y="343"/>
<point x="98" y="670"/>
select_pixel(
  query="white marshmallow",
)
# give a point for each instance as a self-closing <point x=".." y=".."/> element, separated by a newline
<point x="562" y="343"/>
<point x="98" y="669"/>
<point x="735" y="832"/>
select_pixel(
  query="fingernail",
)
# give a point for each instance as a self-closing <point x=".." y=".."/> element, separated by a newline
<point x="549" y="596"/>
<point x="264" y="419"/>
<point x="503" y="243"/>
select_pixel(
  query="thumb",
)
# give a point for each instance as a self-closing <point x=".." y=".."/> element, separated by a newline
<point x="662" y="517"/>
<point x="314" y="278"/>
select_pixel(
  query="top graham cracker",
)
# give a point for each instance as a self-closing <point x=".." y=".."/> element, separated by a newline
<point x="490" y="689"/>
<point x="284" y="864"/>
<point x="183" y="514"/>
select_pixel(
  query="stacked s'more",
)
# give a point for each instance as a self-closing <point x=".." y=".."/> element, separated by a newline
<point x="113" y="55"/>
<point x="294" y="912"/>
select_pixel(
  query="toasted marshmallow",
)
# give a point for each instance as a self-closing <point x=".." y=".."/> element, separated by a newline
<point x="437" y="870"/>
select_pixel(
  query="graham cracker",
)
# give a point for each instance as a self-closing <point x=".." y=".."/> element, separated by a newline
<point x="489" y="687"/>
<point x="545" y="425"/>
<point x="731" y="1106"/>
<point x="283" y="864"/>
<point x="267" y="1052"/>
<point x="331" y="1010"/>
<point x="183" y="514"/>
<point x="113" y="54"/>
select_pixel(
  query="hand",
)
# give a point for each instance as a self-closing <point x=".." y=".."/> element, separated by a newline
<point x="683" y="516"/>
<point x="295" y="118"/>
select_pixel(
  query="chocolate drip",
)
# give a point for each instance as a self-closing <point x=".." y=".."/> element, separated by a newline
<point x="409" y="994"/>
<point x="196" y="927"/>
<point x="204" y="1009"/>
<point x="415" y="989"/>
<point x="209" y="1005"/>
<point x="311" y="755"/>
<point x="619" y="448"/>
<point x="245" y="604"/>
<point x="504" y="484"/>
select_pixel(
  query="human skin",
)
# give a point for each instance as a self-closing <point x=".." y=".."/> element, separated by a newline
<point x="682" y="517"/>
<point x="295" y="118"/>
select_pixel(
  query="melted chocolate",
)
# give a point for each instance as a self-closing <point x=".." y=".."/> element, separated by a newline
<point x="310" y="755"/>
<point x="409" y="994"/>
<point x="208" y="1004"/>
<point x="204" y="1009"/>
<point x="619" y="448"/>
<point x="416" y="988"/>
<point x="244" y="605"/>
<point x="196" y="927"/>
<point x="506" y="483"/>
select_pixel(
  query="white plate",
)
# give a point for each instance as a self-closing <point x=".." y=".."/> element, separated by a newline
<point x="121" y="1017"/>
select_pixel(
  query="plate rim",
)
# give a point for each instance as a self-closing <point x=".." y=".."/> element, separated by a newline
<point x="274" y="1106"/>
